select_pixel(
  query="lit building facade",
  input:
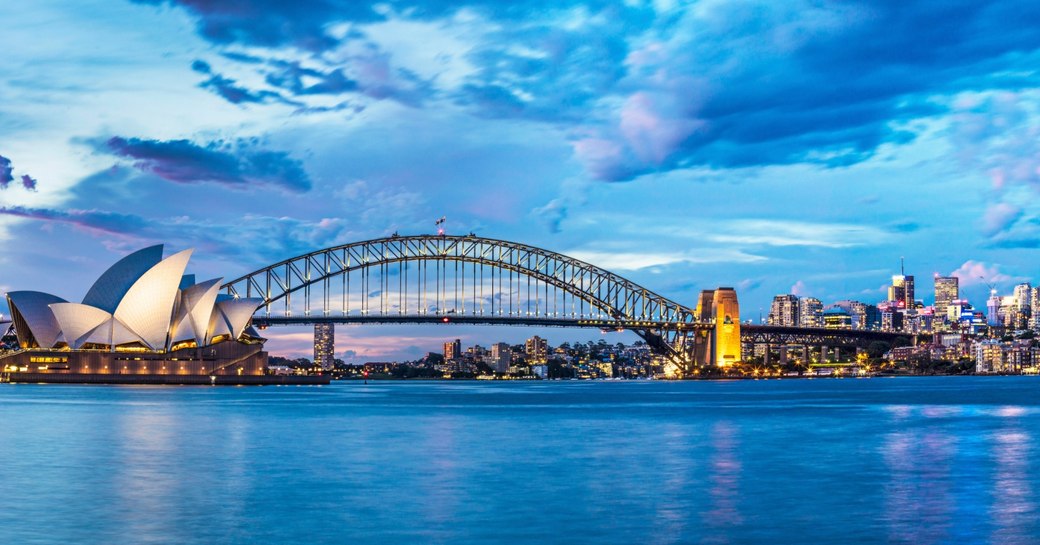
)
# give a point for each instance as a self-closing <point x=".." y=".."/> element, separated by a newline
<point x="325" y="346"/>
<point x="947" y="290"/>
<point x="810" y="312"/>
<point x="537" y="350"/>
<point x="784" y="311"/>
<point x="453" y="350"/>
<point x="901" y="292"/>
<point x="501" y="357"/>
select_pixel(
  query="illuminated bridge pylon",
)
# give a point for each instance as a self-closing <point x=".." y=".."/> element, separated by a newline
<point x="469" y="279"/>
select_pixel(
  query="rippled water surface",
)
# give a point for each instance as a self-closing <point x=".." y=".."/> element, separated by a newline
<point x="912" y="460"/>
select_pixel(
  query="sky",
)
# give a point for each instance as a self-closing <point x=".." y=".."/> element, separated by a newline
<point x="777" y="147"/>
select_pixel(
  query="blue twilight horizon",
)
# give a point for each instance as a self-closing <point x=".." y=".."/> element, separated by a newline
<point x="777" y="147"/>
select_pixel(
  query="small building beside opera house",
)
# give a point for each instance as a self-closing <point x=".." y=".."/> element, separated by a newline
<point x="144" y="321"/>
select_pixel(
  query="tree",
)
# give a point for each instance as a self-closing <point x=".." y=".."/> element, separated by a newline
<point x="878" y="349"/>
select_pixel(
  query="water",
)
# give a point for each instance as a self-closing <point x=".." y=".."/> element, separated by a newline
<point x="913" y="460"/>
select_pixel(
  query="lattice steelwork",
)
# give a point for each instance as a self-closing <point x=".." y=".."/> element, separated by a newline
<point x="463" y="279"/>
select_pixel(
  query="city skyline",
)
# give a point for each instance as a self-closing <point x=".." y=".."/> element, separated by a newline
<point x="603" y="132"/>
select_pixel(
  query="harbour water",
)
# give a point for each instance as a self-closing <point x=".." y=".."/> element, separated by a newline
<point x="908" y="460"/>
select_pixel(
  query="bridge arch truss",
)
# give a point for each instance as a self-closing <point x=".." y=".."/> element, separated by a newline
<point x="466" y="279"/>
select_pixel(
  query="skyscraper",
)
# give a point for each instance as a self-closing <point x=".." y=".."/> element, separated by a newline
<point x="902" y="290"/>
<point x="784" y="311"/>
<point x="325" y="345"/>
<point x="947" y="290"/>
<point x="452" y="350"/>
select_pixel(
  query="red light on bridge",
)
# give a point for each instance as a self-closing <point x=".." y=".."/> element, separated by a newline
<point x="444" y="319"/>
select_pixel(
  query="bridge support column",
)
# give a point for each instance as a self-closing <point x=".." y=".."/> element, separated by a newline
<point x="769" y="353"/>
<point x="783" y="354"/>
<point x="824" y="352"/>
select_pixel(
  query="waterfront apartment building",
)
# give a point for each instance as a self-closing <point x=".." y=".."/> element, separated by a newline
<point x="784" y="311"/>
<point x="537" y="350"/>
<point x="452" y="350"/>
<point x="501" y="357"/>
<point x="325" y="346"/>
<point x="810" y="312"/>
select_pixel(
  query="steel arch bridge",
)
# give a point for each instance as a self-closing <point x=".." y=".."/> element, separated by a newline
<point x="467" y="279"/>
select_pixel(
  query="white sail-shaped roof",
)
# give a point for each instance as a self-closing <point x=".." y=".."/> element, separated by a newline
<point x="182" y="330"/>
<point x="122" y="334"/>
<point x="218" y="325"/>
<point x="238" y="312"/>
<point x="113" y="285"/>
<point x="147" y="307"/>
<point x="199" y="300"/>
<point x="31" y="307"/>
<point x="81" y="324"/>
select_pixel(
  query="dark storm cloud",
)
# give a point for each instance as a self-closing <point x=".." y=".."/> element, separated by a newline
<point x="234" y="164"/>
<point x="231" y="91"/>
<point x="6" y="169"/>
<point x="28" y="182"/>
<point x="640" y="90"/>
<point x="91" y="220"/>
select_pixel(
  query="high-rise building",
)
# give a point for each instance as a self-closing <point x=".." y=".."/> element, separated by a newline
<point x="902" y="290"/>
<point x="1023" y="305"/>
<point x="947" y="290"/>
<point x="1034" y="302"/>
<point x="993" y="317"/>
<point x="501" y="357"/>
<point x="810" y="312"/>
<point x="784" y="311"/>
<point x="325" y="345"/>
<point x="452" y="350"/>
<point x="536" y="349"/>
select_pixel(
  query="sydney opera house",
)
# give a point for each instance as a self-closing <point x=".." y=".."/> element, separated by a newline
<point x="143" y="321"/>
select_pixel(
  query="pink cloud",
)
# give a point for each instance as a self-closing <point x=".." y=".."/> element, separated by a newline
<point x="972" y="273"/>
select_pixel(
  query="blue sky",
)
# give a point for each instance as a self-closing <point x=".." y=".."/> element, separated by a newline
<point x="772" y="146"/>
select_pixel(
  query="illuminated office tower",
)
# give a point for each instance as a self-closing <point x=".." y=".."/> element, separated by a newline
<point x="902" y="290"/>
<point x="325" y="345"/>
<point x="784" y="311"/>
<point x="947" y="290"/>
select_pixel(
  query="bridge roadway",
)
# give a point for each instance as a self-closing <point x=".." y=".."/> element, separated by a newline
<point x="749" y="333"/>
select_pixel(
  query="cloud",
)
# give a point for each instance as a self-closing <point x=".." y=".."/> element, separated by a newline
<point x="233" y="164"/>
<point x="799" y="288"/>
<point x="647" y="88"/>
<point x="552" y="214"/>
<point x="972" y="273"/>
<point x="90" y="220"/>
<point x="7" y="176"/>
<point x="636" y="260"/>
<point x="999" y="218"/>
<point x="6" y="169"/>
<point x="795" y="233"/>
